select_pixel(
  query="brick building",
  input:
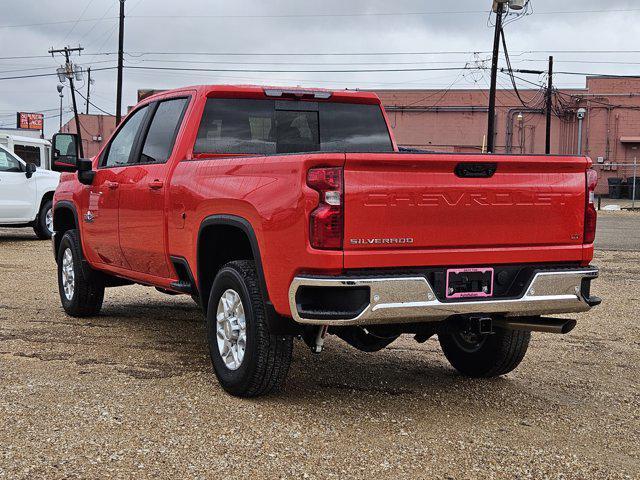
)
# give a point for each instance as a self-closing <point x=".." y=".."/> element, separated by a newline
<point x="96" y="129"/>
<point x="456" y="121"/>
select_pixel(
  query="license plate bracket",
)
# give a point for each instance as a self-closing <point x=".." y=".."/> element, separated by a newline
<point x="469" y="283"/>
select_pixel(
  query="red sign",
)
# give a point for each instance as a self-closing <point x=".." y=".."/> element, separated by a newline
<point x="32" y="121"/>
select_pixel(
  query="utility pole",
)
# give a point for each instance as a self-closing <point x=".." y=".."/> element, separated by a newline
<point x="549" y="106"/>
<point x="69" y="73"/>
<point x="88" y="87"/>
<point x="491" y="134"/>
<point x="120" y="61"/>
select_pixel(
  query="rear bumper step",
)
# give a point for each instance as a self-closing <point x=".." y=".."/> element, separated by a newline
<point x="412" y="299"/>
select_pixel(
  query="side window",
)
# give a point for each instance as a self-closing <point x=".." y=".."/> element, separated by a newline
<point x="8" y="163"/>
<point x="237" y="126"/>
<point x="120" y="147"/>
<point x="163" y="130"/>
<point x="28" y="153"/>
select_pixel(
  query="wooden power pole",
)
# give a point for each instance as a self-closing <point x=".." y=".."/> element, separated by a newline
<point x="120" y="61"/>
<point x="70" y="73"/>
<point x="491" y="127"/>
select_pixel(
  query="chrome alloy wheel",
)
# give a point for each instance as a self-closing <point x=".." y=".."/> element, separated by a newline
<point x="68" y="275"/>
<point x="48" y="220"/>
<point x="231" y="329"/>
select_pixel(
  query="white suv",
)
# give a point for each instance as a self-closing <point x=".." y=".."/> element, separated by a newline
<point x="26" y="193"/>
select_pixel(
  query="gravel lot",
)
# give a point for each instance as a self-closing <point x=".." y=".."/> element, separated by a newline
<point x="132" y="393"/>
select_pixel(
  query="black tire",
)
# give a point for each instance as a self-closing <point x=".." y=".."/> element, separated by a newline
<point x="88" y="292"/>
<point x="485" y="356"/>
<point x="43" y="232"/>
<point x="266" y="356"/>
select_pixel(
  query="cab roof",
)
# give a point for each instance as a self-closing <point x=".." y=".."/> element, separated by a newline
<point x="263" y="91"/>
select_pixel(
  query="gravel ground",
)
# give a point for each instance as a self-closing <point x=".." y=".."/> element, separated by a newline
<point x="618" y="231"/>
<point x="131" y="393"/>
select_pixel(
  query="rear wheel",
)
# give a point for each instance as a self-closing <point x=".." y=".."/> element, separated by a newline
<point x="81" y="288"/>
<point x="487" y="356"/>
<point x="247" y="359"/>
<point x="44" y="223"/>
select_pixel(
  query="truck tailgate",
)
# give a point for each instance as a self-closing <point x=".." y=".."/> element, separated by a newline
<point x="418" y="203"/>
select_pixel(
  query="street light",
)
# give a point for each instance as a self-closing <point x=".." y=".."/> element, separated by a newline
<point x="60" y="87"/>
<point x="581" y="113"/>
<point x="513" y="4"/>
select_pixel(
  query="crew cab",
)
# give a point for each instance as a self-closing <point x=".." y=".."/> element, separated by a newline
<point x="26" y="194"/>
<point x="292" y="213"/>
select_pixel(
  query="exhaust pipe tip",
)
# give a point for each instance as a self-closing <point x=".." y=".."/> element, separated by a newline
<point x="539" y="324"/>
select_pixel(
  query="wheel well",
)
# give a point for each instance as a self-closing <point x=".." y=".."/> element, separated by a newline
<point x="46" y="197"/>
<point x="217" y="245"/>
<point x="63" y="219"/>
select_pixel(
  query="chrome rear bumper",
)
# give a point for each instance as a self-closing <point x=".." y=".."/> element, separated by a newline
<point x="411" y="299"/>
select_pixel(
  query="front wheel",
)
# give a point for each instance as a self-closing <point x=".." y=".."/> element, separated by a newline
<point x="485" y="356"/>
<point x="247" y="359"/>
<point x="81" y="288"/>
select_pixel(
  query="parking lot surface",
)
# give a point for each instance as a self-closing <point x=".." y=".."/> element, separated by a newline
<point x="618" y="231"/>
<point x="131" y="393"/>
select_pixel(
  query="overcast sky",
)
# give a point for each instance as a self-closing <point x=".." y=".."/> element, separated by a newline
<point x="182" y="29"/>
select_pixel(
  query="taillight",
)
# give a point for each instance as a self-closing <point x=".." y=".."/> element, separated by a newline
<point x="590" y="215"/>
<point x="326" y="221"/>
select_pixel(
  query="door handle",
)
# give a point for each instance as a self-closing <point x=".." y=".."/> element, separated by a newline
<point x="112" y="185"/>
<point x="156" y="184"/>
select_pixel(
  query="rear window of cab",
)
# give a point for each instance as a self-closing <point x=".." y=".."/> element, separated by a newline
<point x="249" y="126"/>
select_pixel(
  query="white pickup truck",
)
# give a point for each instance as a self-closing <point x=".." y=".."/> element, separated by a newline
<point x="26" y="192"/>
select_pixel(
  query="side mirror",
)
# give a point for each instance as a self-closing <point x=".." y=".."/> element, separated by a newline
<point x="64" y="154"/>
<point x="30" y="170"/>
<point x="85" y="171"/>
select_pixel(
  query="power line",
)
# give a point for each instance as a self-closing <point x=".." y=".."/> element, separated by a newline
<point x="583" y="74"/>
<point x="111" y="5"/>
<point x="18" y="77"/>
<point x="78" y="20"/>
<point x="318" y="15"/>
<point x="45" y="117"/>
<point x="591" y="62"/>
<point x="223" y="62"/>
<point x="28" y="57"/>
<point x="370" y="70"/>
<point x="312" y="15"/>
<point x="301" y="54"/>
<point x="360" y="83"/>
<point x="586" y="74"/>
<point x="510" y="71"/>
<point x="38" y="110"/>
<point x="93" y="104"/>
<point x="205" y="62"/>
<point x="48" y="67"/>
<point x="374" y="14"/>
<point x="43" y="24"/>
<point x="354" y="54"/>
<point x="574" y="96"/>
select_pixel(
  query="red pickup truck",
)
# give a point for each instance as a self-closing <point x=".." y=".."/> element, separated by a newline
<point x="290" y="213"/>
